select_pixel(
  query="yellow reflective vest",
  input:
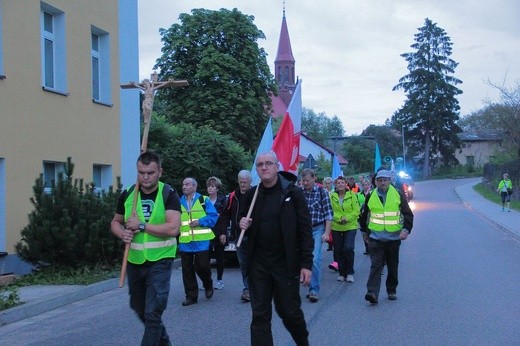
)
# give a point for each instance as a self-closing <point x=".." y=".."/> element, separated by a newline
<point x="146" y="246"/>
<point x="385" y="217"/>
<point x="189" y="234"/>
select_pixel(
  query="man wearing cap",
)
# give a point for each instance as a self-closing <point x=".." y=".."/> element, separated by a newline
<point x="387" y="219"/>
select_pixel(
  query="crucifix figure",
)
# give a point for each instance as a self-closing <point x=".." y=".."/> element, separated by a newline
<point x="149" y="86"/>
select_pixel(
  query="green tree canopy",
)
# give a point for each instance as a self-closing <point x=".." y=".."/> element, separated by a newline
<point x="320" y="127"/>
<point x="199" y="152"/>
<point x="431" y="109"/>
<point x="502" y="115"/>
<point x="230" y="81"/>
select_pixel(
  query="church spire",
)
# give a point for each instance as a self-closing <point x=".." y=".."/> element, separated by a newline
<point x="284" y="62"/>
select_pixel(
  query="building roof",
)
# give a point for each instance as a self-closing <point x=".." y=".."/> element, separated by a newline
<point x="481" y="136"/>
<point x="341" y="159"/>
<point x="279" y="106"/>
<point x="284" y="44"/>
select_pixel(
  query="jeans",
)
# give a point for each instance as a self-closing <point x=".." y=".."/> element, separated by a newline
<point x="242" y="262"/>
<point x="149" y="288"/>
<point x="344" y="243"/>
<point x="317" y="232"/>
<point x="381" y="253"/>
<point x="268" y="283"/>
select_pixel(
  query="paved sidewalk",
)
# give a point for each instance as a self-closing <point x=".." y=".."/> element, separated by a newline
<point x="509" y="222"/>
<point x="39" y="299"/>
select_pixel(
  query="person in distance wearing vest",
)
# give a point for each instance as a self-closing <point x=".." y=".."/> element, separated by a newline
<point x="198" y="217"/>
<point x="388" y="220"/>
<point x="151" y="232"/>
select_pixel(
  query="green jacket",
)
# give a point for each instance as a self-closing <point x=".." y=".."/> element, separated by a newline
<point x="350" y="209"/>
<point x="504" y="185"/>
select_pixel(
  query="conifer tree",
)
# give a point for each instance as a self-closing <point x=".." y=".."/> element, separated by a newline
<point x="69" y="226"/>
<point x="431" y="109"/>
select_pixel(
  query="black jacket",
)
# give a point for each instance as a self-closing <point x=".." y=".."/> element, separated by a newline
<point x="295" y="220"/>
<point x="230" y="214"/>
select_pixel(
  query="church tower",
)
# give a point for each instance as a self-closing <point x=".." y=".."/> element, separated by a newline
<point x="284" y="66"/>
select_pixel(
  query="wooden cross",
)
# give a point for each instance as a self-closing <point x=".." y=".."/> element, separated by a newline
<point x="149" y="86"/>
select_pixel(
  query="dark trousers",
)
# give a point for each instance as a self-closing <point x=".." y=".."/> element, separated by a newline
<point x="382" y="253"/>
<point x="266" y="284"/>
<point x="218" y="253"/>
<point x="149" y="288"/>
<point x="195" y="262"/>
<point x="344" y="243"/>
<point x="243" y="263"/>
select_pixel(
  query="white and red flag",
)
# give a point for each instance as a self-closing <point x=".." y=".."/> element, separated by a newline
<point x="286" y="144"/>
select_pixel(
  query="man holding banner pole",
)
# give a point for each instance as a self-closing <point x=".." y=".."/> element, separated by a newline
<point x="279" y="251"/>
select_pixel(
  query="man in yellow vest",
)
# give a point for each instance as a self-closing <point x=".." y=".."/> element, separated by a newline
<point x="198" y="217"/>
<point x="387" y="219"/>
<point x="151" y="230"/>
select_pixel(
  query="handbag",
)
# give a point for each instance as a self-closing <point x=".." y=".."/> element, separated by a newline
<point x="509" y="191"/>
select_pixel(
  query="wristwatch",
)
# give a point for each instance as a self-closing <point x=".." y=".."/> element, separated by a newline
<point x="142" y="227"/>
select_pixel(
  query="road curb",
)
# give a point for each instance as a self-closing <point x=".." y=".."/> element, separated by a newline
<point x="55" y="301"/>
<point x="60" y="299"/>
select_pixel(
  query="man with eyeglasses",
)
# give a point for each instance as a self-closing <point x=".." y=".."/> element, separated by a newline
<point x="279" y="251"/>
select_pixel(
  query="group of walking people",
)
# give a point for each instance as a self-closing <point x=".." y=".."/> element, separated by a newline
<point x="284" y="226"/>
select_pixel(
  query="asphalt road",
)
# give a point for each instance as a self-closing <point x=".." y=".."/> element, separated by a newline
<point x="459" y="285"/>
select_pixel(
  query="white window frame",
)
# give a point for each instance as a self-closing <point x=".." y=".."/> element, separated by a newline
<point x="101" y="177"/>
<point x="51" y="170"/>
<point x="57" y="80"/>
<point x="103" y="75"/>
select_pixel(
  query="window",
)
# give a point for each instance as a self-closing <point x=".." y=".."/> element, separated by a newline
<point x="470" y="160"/>
<point x="100" y="48"/>
<point x="53" y="49"/>
<point x="51" y="170"/>
<point x="101" y="177"/>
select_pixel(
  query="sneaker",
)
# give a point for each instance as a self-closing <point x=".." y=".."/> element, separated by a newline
<point x="371" y="297"/>
<point x="313" y="297"/>
<point x="334" y="266"/>
<point x="341" y="278"/>
<point x="509" y="210"/>
<point x="502" y="209"/>
<point x="245" y="296"/>
<point x="219" y="285"/>
<point x="350" y="278"/>
<point x="392" y="296"/>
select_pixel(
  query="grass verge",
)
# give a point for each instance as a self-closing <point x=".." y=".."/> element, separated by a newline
<point x="493" y="196"/>
<point x="9" y="296"/>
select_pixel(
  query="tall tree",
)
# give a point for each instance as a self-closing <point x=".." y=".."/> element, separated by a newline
<point x="230" y="81"/>
<point x="431" y="109"/>
<point x="320" y="127"/>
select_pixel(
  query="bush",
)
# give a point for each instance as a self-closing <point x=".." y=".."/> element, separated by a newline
<point x="70" y="225"/>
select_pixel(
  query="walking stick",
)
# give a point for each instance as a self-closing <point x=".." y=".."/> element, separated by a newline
<point x="248" y="216"/>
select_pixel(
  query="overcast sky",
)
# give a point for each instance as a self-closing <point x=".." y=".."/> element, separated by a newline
<point x="348" y="52"/>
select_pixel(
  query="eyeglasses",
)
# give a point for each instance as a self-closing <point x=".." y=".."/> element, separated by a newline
<point x="265" y="164"/>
